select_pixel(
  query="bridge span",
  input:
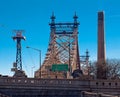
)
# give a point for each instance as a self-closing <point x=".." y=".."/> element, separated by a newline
<point x="32" y="87"/>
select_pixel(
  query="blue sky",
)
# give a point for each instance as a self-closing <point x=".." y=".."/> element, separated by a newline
<point x="33" y="16"/>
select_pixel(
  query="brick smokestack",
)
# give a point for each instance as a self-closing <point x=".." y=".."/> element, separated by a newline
<point x="101" y="66"/>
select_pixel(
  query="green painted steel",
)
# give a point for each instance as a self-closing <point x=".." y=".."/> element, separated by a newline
<point x="60" y="67"/>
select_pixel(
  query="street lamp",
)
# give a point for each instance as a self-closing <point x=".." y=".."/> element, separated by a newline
<point x="39" y="56"/>
<point x="32" y="71"/>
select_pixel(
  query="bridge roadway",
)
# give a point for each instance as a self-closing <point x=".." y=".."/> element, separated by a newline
<point x="32" y="87"/>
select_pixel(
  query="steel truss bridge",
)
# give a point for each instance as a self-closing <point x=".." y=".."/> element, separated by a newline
<point x="62" y="49"/>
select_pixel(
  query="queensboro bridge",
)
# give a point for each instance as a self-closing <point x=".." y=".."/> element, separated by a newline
<point x="62" y="57"/>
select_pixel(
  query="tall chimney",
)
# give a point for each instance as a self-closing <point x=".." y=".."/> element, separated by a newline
<point x="101" y="67"/>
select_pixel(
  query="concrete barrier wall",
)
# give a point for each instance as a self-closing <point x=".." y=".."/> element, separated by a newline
<point x="99" y="86"/>
<point x="106" y="86"/>
<point x="55" y="83"/>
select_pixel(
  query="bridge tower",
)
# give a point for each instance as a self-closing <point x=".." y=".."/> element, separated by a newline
<point x="85" y="63"/>
<point x="17" y="66"/>
<point x="62" y="51"/>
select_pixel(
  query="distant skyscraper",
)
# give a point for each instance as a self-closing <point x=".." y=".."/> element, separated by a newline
<point x="101" y="67"/>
